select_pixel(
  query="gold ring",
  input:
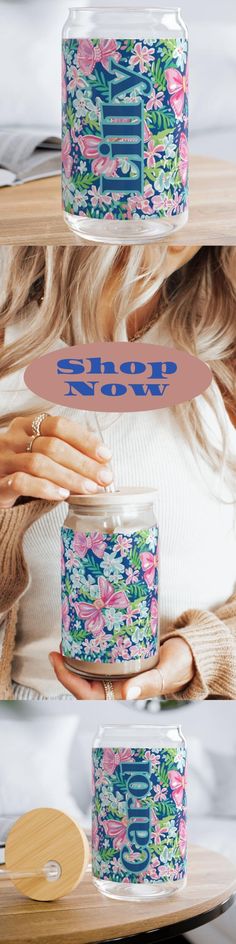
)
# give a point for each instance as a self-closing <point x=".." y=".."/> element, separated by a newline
<point x="36" y="429"/>
<point x="109" y="691"/>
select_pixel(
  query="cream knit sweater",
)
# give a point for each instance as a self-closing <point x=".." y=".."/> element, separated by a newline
<point x="197" y="522"/>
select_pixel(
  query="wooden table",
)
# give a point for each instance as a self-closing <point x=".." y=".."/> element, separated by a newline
<point x="86" y="916"/>
<point x="30" y="214"/>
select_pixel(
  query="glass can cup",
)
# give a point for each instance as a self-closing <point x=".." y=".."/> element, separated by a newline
<point x="139" y="833"/>
<point x="109" y="583"/>
<point x="124" y="121"/>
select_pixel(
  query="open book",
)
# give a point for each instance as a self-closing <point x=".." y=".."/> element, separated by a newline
<point x="28" y="153"/>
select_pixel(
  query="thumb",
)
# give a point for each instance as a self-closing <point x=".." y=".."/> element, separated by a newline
<point x="147" y="685"/>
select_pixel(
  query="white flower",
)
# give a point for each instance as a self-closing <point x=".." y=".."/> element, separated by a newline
<point x="80" y="200"/>
<point x="169" y="145"/>
<point x="68" y="192"/>
<point x="112" y="566"/>
<point x="180" y="53"/>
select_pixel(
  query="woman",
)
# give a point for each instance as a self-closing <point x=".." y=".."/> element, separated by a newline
<point x="177" y="295"/>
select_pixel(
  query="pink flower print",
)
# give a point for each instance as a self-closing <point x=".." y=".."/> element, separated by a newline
<point x="149" y="564"/>
<point x="116" y="830"/>
<point x="154" y="616"/>
<point x="182" y="838"/>
<point x="74" y="132"/>
<point x="90" y="145"/>
<point x="65" y="616"/>
<point x="92" y="612"/>
<point x="147" y="133"/>
<point x="157" y="202"/>
<point x="177" y="785"/>
<point x="155" y="101"/>
<point x="152" y="151"/>
<point x="177" y="85"/>
<point x="183" y="158"/>
<point x="112" y="759"/>
<point x="97" y="645"/>
<point x="107" y="50"/>
<point x="67" y="160"/>
<point x="122" y="545"/>
<point x="142" y="56"/>
<point x="99" y="199"/>
<point x="164" y="871"/>
<point x="177" y="200"/>
<point x="64" y="89"/>
<point x="153" y="869"/>
<point x="109" y="216"/>
<point x="159" y="831"/>
<point x="75" y="79"/>
<point x="121" y="648"/>
<point x="132" y="576"/>
<point x="154" y="758"/>
<point x="131" y="612"/>
<point x="143" y="202"/>
<point x="86" y="542"/>
<point x="160" y="792"/>
<point x="88" y="55"/>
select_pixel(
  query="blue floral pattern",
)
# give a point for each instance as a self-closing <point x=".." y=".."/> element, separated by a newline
<point x="109" y="595"/>
<point x="125" y="128"/>
<point x="139" y="815"/>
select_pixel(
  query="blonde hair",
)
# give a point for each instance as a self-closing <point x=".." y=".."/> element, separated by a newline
<point x="196" y="307"/>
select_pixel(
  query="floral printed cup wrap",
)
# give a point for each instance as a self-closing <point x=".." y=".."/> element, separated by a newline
<point x="125" y="128"/>
<point x="139" y="815"/>
<point x="109" y="595"/>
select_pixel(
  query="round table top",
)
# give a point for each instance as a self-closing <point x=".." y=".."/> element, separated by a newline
<point x="31" y="213"/>
<point x="86" y="916"/>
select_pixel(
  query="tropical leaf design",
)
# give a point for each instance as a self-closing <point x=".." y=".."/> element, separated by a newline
<point x="163" y="797"/>
<point x="109" y="595"/>
<point x="89" y="155"/>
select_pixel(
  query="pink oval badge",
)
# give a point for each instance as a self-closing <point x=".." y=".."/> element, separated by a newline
<point x="118" y="377"/>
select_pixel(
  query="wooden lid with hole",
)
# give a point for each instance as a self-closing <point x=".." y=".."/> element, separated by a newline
<point x="42" y="836"/>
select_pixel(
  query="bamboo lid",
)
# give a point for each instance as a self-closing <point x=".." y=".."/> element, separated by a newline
<point x="46" y="837"/>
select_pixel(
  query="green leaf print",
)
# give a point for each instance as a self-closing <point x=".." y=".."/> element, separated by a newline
<point x="84" y="181"/>
<point x="68" y="586"/>
<point x="163" y="119"/>
<point x="168" y="48"/>
<point x="135" y="559"/>
<point x="70" y="115"/>
<point x="158" y="75"/>
<point x="102" y="86"/>
<point x="92" y="123"/>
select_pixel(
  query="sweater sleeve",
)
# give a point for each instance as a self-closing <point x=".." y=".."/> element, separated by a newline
<point x="14" y="578"/>
<point x="212" y="640"/>
<point x="14" y="573"/>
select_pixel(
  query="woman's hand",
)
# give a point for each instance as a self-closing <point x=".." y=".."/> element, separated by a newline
<point x="65" y="458"/>
<point x="175" y="668"/>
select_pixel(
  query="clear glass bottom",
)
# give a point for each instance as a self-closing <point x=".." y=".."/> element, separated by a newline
<point x="127" y="232"/>
<point x="103" y="670"/>
<point x="140" y="892"/>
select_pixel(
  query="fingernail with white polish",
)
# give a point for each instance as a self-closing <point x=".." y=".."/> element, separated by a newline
<point x="64" y="492"/>
<point x="103" y="452"/>
<point x="90" y="486"/>
<point x="133" y="693"/>
<point x="105" y="476"/>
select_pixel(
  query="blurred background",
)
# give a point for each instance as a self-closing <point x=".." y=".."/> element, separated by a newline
<point x="30" y="37"/>
<point x="45" y="751"/>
